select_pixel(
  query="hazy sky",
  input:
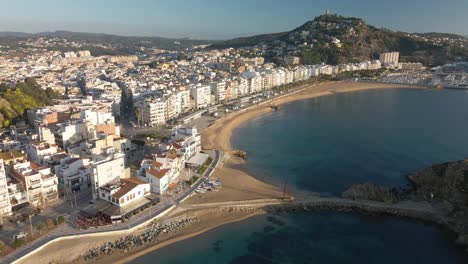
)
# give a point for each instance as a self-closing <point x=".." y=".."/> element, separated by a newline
<point x="223" y="18"/>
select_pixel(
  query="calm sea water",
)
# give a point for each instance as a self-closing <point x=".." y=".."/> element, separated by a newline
<point x="324" y="145"/>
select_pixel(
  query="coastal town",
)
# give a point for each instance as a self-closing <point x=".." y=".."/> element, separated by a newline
<point x="123" y="136"/>
<point x="127" y="150"/>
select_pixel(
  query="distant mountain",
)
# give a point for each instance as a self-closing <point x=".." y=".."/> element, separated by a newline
<point x="122" y="44"/>
<point x="4" y="34"/>
<point x="335" y="39"/>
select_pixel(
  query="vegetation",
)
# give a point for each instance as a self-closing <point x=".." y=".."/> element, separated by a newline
<point x="314" y="43"/>
<point x="2" y="245"/>
<point x="205" y="166"/>
<point x="40" y="226"/>
<point x="17" y="243"/>
<point x="25" y="95"/>
<point x="192" y="181"/>
<point x="60" y="220"/>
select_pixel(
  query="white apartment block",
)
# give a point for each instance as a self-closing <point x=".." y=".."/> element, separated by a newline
<point x="5" y="206"/>
<point x="219" y="91"/>
<point x="40" y="184"/>
<point x="188" y="139"/>
<point x="70" y="132"/>
<point x="97" y="117"/>
<point x="389" y="59"/>
<point x="183" y="102"/>
<point x="154" y="112"/>
<point x="74" y="174"/>
<point x="171" y="106"/>
<point x="106" y="169"/>
<point x="201" y="94"/>
<point x="41" y="152"/>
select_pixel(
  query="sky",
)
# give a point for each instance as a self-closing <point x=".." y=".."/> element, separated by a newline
<point x="223" y="19"/>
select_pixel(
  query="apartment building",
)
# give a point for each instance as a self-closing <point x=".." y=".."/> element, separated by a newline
<point x="188" y="139"/>
<point x="106" y="169"/>
<point x="40" y="183"/>
<point x="219" y="91"/>
<point x="154" y="112"/>
<point x="389" y="59"/>
<point x="41" y="152"/>
<point x="5" y="206"/>
<point x="74" y="174"/>
<point x="201" y="94"/>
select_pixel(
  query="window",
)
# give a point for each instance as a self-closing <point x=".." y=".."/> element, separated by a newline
<point x="103" y="195"/>
<point x="122" y="200"/>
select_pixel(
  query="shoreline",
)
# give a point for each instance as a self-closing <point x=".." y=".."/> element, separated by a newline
<point x="219" y="134"/>
<point x="238" y="185"/>
<point x="221" y="131"/>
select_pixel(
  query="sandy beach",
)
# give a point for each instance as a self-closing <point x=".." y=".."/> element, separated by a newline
<point x="218" y="136"/>
<point x="238" y="185"/>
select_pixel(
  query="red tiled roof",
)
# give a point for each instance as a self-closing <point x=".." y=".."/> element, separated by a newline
<point x="157" y="164"/>
<point x="158" y="174"/>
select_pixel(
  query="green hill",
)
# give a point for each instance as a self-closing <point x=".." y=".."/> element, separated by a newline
<point x="25" y="95"/>
<point x="335" y="39"/>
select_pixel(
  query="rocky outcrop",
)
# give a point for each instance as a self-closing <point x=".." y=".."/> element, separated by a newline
<point x="444" y="186"/>
<point x="373" y="192"/>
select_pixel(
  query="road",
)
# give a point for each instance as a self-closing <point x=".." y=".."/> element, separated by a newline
<point x="148" y="214"/>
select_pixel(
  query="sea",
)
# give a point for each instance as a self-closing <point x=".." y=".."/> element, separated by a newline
<point x="324" y="145"/>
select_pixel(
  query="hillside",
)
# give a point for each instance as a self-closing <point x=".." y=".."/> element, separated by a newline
<point x="15" y="101"/>
<point x="104" y="44"/>
<point x="335" y="39"/>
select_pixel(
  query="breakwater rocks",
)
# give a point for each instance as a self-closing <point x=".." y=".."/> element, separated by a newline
<point x="414" y="210"/>
<point x="151" y="234"/>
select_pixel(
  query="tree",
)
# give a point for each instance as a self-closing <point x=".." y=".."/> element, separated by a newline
<point x="60" y="220"/>
<point x="40" y="226"/>
<point x="17" y="243"/>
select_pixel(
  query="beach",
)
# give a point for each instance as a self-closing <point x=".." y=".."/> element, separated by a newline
<point x="238" y="185"/>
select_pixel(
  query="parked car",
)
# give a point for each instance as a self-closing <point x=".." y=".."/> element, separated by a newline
<point x="20" y="235"/>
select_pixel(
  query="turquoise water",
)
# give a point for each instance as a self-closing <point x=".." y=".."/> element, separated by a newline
<point x="324" y="145"/>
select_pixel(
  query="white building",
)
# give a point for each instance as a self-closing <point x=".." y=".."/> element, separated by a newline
<point x="41" y="152"/>
<point x="389" y="59"/>
<point x="106" y="169"/>
<point x="40" y="184"/>
<point x="157" y="177"/>
<point x="97" y="117"/>
<point x="182" y="102"/>
<point x="69" y="133"/>
<point x="154" y="112"/>
<point x="5" y="206"/>
<point x="188" y="139"/>
<point x="219" y="91"/>
<point x="201" y="94"/>
<point x="74" y="174"/>
<point x="124" y="191"/>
